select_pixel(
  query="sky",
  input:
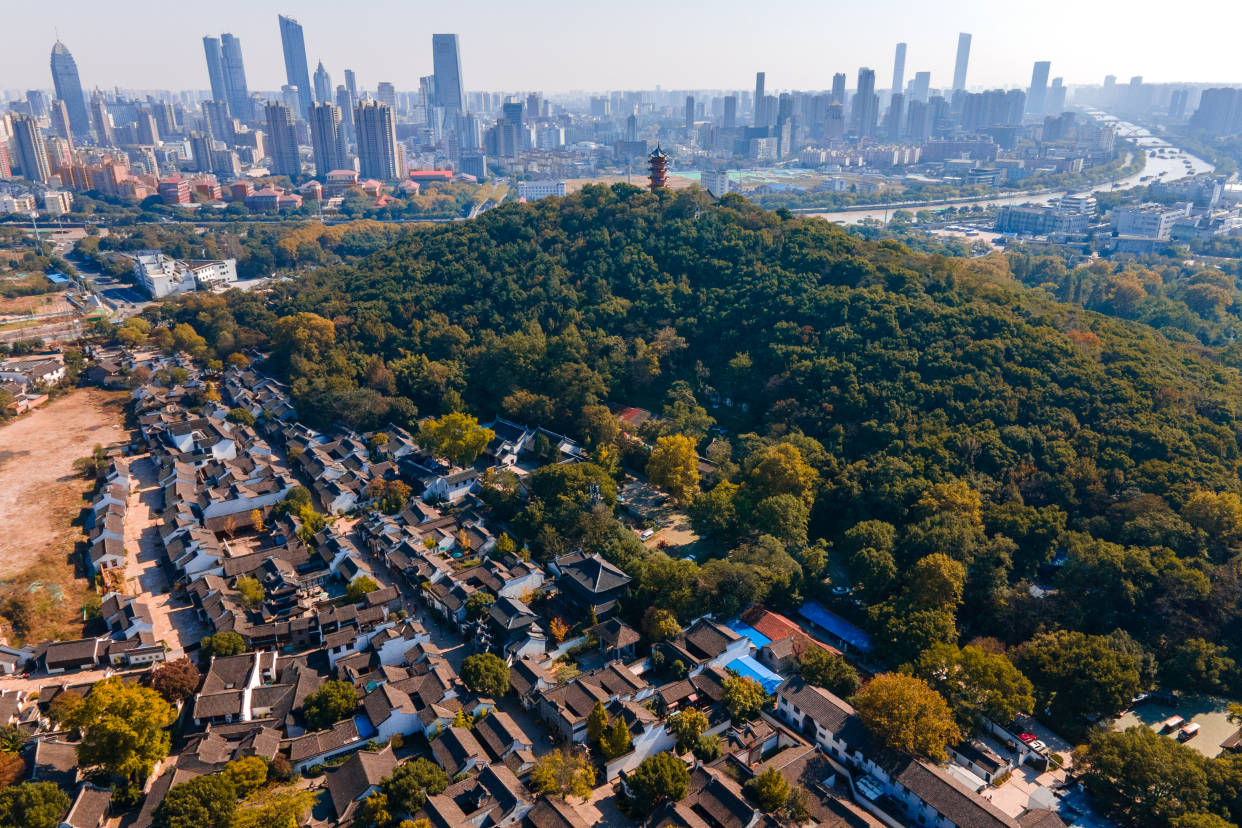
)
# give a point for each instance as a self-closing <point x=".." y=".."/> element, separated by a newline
<point x="569" y="45"/>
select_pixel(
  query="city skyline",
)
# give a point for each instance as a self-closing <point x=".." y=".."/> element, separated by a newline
<point x="1004" y="45"/>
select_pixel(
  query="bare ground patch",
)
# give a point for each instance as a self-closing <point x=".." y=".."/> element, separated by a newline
<point x="42" y="498"/>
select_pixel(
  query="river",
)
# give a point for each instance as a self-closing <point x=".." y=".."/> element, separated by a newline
<point x="1173" y="167"/>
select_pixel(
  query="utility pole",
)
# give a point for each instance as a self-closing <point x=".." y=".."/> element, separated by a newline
<point x="38" y="239"/>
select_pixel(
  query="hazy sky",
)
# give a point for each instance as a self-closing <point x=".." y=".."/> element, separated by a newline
<point x="561" y="45"/>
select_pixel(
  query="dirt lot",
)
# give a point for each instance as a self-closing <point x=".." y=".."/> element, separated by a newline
<point x="41" y="503"/>
<point x="43" y="303"/>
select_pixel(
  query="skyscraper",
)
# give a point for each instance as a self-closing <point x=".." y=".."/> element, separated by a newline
<point x="921" y="87"/>
<point x="219" y="121"/>
<point x="899" y="70"/>
<point x="69" y="89"/>
<point x="377" y="140"/>
<point x="60" y="119"/>
<point x="838" y="88"/>
<point x="37" y="102"/>
<point x="689" y="114"/>
<point x="351" y="83"/>
<point x="327" y="138"/>
<point x="760" y="78"/>
<point x="730" y="111"/>
<point x="102" y="121"/>
<point x="866" y="104"/>
<point x="282" y="138"/>
<point x="235" y="89"/>
<point x="148" y="132"/>
<point x="446" y="66"/>
<point x="323" y="85"/>
<point x="215" y="68"/>
<point x="345" y="103"/>
<point x="296" y="71"/>
<point x="1035" y="96"/>
<point x="30" y="149"/>
<point x="963" y="59"/>
<point x="386" y="93"/>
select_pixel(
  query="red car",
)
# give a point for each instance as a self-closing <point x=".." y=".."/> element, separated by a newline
<point x="1027" y="738"/>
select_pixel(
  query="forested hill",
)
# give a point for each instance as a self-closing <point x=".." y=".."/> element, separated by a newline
<point x="943" y="407"/>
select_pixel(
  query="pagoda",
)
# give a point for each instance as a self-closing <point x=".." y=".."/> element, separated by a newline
<point x="659" y="168"/>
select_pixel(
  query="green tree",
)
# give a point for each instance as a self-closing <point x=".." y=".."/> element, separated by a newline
<point x="486" y="673"/>
<point x="1201" y="820"/>
<point x="373" y="812"/>
<point x="331" y="703"/>
<point x="123" y="729"/>
<point x="359" y="587"/>
<point x="714" y="512"/>
<point x="1076" y="675"/>
<point x="616" y="740"/>
<point x="688" y="726"/>
<point x="770" y="789"/>
<point x="976" y="683"/>
<point x="412" y="782"/>
<point x="674" y="466"/>
<point x="660" y="624"/>
<point x="744" y="697"/>
<point x="560" y="774"/>
<point x="275" y="808"/>
<point x="203" y="802"/>
<point x="251" y="592"/>
<point x="1142" y="778"/>
<point x="241" y="416"/>
<point x="936" y="582"/>
<point x="905" y="714"/>
<point x="32" y="805"/>
<point x="221" y="644"/>
<point x="829" y="671"/>
<point x="597" y="722"/>
<point x="477" y="604"/>
<point x="456" y="436"/>
<point x="246" y="775"/>
<point x="657" y="779"/>
<point x="780" y="469"/>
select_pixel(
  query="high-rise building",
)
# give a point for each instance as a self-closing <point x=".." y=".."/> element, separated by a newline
<point x="31" y="152"/>
<point x="689" y="114"/>
<point x="38" y="103"/>
<point x="165" y="117"/>
<point x="1177" y="105"/>
<point x="69" y="89"/>
<point x="351" y="83"/>
<point x="215" y="67"/>
<point x="386" y="94"/>
<point x="730" y="111"/>
<point x="60" y="119"/>
<point x="899" y="70"/>
<point x="148" y="132"/>
<point x="446" y="65"/>
<point x="896" y="116"/>
<point x="219" y="121"/>
<point x="963" y="61"/>
<point x="1037" y="94"/>
<point x="1055" y="102"/>
<point x="866" y="104"/>
<point x="296" y="71"/>
<point x="377" y="140"/>
<point x="282" y="139"/>
<point x="345" y="103"/>
<point x="201" y="149"/>
<point x="235" y="89"/>
<point x="327" y="138"/>
<point x="838" y="88"/>
<point x="760" y="79"/>
<point x="323" y="85"/>
<point x="101" y="119"/>
<point x="920" y="87"/>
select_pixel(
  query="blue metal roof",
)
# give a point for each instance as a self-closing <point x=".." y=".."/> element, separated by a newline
<point x="747" y="666"/>
<point x="836" y="625"/>
<point x="747" y="631"/>
<point x="57" y="278"/>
